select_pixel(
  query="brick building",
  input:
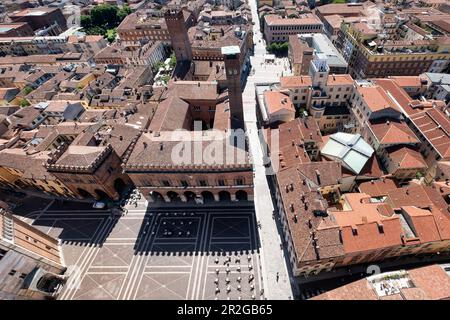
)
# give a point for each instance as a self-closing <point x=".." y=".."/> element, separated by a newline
<point x="424" y="283"/>
<point x="368" y="56"/>
<point x="171" y="165"/>
<point x="179" y="38"/>
<point x="49" y="21"/>
<point x="278" y="29"/>
<point x="30" y="260"/>
<point x="20" y="29"/>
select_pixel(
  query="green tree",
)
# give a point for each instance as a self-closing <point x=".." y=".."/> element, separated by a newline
<point x="158" y="65"/>
<point x="104" y="15"/>
<point x="122" y="13"/>
<point x="27" y="90"/>
<point x="111" y="34"/>
<point x="24" y="103"/>
<point x="278" y="48"/>
<point x="173" y="61"/>
<point x="85" y="21"/>
<point x="96" y="30"/>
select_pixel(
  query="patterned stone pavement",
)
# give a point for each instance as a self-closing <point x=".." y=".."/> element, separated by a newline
<point x="164" y="254"/>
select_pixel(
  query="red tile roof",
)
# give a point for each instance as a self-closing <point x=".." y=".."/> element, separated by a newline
<point x="406" y="158"/>
<point x="392" y="132"/>
<point x="436" y="129"/>
<point x="377" y="188"/>
<point x="295" y="81"/>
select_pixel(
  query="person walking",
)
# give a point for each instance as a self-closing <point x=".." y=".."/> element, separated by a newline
<point x="278" y="276"/>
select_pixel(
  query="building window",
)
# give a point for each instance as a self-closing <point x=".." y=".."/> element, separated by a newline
<point x="2" y="253"/>
<point x="221" y="182"/>
<point x="239" y="182"/>
<point x="202" y="183"/>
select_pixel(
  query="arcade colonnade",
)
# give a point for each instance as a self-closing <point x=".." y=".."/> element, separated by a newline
<point x="197" y="196"/>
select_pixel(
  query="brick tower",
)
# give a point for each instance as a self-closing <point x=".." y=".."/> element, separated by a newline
<point x="233" y="70"/>
<point x="178" y="34"/>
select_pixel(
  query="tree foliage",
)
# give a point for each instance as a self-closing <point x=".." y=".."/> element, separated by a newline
<point x="278" y="48"/>
<point x="111" y="34"/>
<point x="173" y="61"/>
<point x="104" y="15"/>
<point x="85" y="21"/>
<point x="27" y="90"/>
<point x="104" y="19"/>
<point x="24" y="103"/>
<point x="123" y="12"/>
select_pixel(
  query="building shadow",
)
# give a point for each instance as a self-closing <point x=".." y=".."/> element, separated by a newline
<point x="79" y="232"/>
<point x="190" y="233"/>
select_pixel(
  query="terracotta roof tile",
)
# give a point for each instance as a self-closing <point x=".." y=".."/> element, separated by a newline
<point x="392" y="132"/>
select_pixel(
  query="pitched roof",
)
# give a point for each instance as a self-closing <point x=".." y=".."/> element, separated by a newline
<point x="276" y="101"/>
<point x="365" y="217"/>
<point x="407" y="81"/>
<point x="393" y="132"/>
<point x="80" y="155"/>
<point x="428" y="283"/>
<point x="295" y="81"/>
<point x="377" y="188"/>
<point x="170" y="115"/>
<point x="436" y="129"/>
<point x="406" y="158"/>
<point x="376" y="98"/>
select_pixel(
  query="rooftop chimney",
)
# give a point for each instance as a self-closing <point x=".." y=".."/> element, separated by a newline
<point x="318" y="177"/>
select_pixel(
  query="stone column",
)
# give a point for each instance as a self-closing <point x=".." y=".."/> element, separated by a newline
<point x="183" y="198"/>
<point x="216" y="197"/>
<point x="233" y="197"/>
<point x="199" y="199"/>
<point x="166" y="198"/>
<point x="250" y="197"/>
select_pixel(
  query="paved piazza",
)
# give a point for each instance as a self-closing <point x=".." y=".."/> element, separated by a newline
<point x="160" y="254"/>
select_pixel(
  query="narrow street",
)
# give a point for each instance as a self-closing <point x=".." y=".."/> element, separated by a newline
<point x="276" y="278"/>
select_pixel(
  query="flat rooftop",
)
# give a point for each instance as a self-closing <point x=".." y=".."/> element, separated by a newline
<point x="230" y="50"/>
<point x="323" y="47"/>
